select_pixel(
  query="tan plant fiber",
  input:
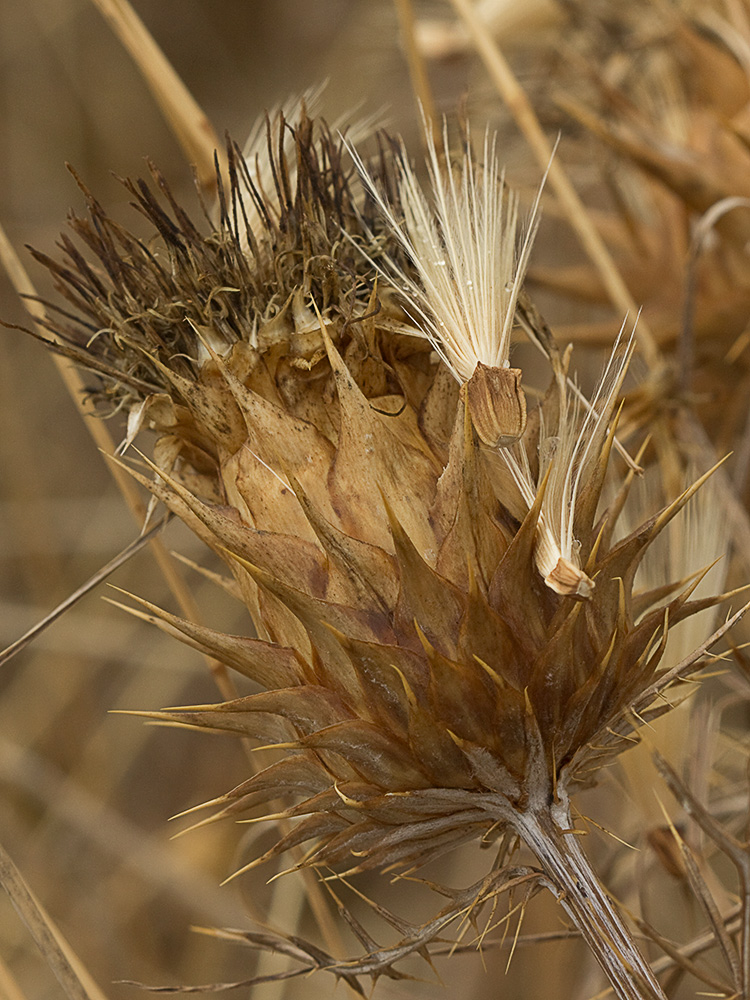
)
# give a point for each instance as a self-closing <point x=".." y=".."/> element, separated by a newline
<point x="429" y="673"/>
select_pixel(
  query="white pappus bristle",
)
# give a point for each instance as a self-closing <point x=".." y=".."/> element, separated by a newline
<point x="461" y="240"/>
<point x="569" y="453"/>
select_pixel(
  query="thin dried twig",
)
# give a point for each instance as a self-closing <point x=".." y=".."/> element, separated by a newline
<point x="420" y="80"/>
<point x="711" y="911"/>
<point x="675" y="956"/>
<point x="185" y="117"/>
<point x="378" y="961"/>
<point x="103" y="828"/>
<point x="678" y="958"/>
<point x="93" y="581"/>
<point x="737" y="852"/>
<point x="62" y="960"/>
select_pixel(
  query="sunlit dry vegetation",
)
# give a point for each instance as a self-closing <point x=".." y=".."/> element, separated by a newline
<point x="434" y="395"/>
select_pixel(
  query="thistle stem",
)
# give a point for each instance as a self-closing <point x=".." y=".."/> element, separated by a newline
<point x="580" y="893"/>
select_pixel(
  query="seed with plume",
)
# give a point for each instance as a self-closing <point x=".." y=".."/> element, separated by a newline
<point x="570" y="446"/>
<point x="463" y="274"/>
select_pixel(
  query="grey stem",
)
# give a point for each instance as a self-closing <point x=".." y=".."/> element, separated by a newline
<point x="583" y="898"/>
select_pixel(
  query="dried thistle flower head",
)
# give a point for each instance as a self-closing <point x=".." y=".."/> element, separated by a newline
<point x="424" y="684"/>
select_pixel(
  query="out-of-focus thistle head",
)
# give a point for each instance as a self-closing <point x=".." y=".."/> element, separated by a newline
<point x="677" y="123"/>
<point x="447" y="634"/>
